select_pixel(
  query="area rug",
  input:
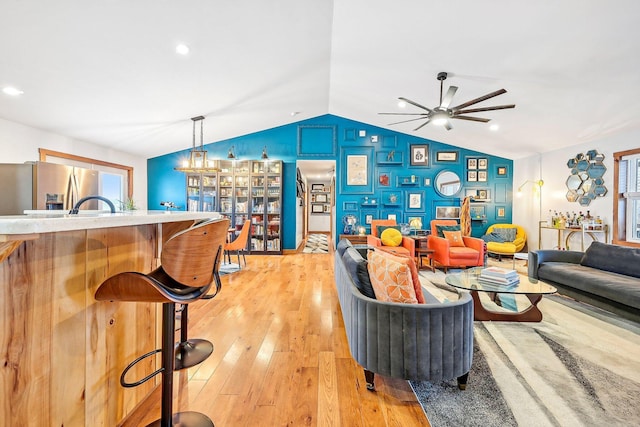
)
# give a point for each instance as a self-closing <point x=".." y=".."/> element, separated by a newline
<point x="580" y="366"/>
<point x="316" y="244"/>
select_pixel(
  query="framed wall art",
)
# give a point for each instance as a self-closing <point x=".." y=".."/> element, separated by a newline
<point x="483" y="163"/>
<point x="317" y="208"/>
<point x="501" y="171"/>
<point x="500" y="212"/>
<point x="415" y="201"/>
<point x="472" y="176"/>
<point x="447" y="212"/>
<point x="356" y="176"/>
<point x="357" y="170"/>
<point x="472" y="163"/>
<point x="482" y="176"/>
<point x="447" y="156"/>
<point x="419" y="155"/>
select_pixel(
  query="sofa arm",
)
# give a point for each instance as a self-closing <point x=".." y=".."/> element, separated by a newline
<point x="440" y="246"/>
<point x="474" y="243"/>
<point x="432" y="342"/>
<point x="409" y="244"/>
<point x="551" y="255"/>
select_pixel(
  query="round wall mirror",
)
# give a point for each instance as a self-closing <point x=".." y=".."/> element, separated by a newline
<point x="447" y="183"/>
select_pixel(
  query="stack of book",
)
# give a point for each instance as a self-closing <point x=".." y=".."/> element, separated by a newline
<point x="499" y="276"/>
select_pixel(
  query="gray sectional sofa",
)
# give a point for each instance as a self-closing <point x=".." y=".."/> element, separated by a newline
<point x="607" y="276"/>
<point x="432" y="341"/>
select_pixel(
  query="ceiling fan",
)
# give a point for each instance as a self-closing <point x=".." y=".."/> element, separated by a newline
<point x="441" y="114"/>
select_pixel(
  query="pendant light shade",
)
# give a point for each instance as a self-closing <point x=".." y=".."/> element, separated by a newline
<point x="198" y="156"/>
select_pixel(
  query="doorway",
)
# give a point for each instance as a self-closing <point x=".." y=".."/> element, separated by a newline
<point x="318" y="204"/>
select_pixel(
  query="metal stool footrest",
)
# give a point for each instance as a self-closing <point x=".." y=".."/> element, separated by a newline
<point x="123" y="383"/>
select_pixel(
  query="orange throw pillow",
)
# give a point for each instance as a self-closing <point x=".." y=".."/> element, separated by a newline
<point x="454" y="238"/>
<point x="390" y="278"/>
<point x="415" y="277"/>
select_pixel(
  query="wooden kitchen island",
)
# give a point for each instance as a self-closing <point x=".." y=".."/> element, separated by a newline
<point x="62" y="352"/>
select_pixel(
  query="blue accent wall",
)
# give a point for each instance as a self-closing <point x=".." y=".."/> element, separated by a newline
<point x="329" y="137"/>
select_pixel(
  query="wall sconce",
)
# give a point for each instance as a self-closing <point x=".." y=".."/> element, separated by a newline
<point x="231" y="155"/>
<point x="538" y="183"/>
<point x="264" y="154"/>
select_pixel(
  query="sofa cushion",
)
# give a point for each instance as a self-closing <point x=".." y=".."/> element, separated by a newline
<point x="614" y="258"/>
<point x="391" y="237"/>
<point x="454" y="238"/>
<point x="391" y="278"/>
<point x="343" y="245"/>
<point x="613" y="286"/>
<point x="460" y="252"/>
<point x="441" y="228"/>
<point x="356" y="266"/>
<point x="507" y="234"/>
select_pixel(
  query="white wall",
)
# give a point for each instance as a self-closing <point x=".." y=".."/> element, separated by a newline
<point x="552" y="168"/>
<point x="299" y="221"/>
<point x="20" y="143"/>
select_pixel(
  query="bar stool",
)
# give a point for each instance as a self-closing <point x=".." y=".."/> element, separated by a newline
<point x="189" y="262"/>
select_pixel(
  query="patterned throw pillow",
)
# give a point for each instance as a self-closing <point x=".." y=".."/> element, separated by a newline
<point x="391" y="237"/>
<point x="454" y="238"/>
<point x="508" y="234"/>
<point x="390" y="278"/>
<point x="441" y="228"/>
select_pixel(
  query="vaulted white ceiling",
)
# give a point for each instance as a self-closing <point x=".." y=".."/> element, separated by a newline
<point x="106" y="71"/>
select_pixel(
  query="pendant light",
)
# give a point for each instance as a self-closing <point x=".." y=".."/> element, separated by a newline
<point x="198" y="156"/>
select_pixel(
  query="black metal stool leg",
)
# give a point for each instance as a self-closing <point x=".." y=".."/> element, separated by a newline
<point x="190" y="352"/>
<point x="167" y="418"/>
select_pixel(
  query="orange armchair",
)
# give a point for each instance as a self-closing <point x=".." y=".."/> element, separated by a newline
<point x="407" y="247"/>
<point x="469" y="255"/>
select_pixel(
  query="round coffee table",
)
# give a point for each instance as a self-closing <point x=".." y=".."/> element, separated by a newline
<point x="532" y="288"/>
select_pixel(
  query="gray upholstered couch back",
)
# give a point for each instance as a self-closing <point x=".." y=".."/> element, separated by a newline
<point x="411" y="341"/>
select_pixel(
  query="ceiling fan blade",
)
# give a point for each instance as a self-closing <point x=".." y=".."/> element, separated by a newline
<point x="473" y="119"/>
<point x="448" y="97"/>
<point x="410" y="120"/>
<point x="477" y="110"/>
<point x="424" y="124"/>
<point x="447" y="125"/>
<point x="482" y="98"/>
<point x="405" y="114"/>
<point x="415" y="103"/>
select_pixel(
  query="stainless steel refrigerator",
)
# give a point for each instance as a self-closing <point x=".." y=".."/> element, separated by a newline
<point x="45" y="186"/>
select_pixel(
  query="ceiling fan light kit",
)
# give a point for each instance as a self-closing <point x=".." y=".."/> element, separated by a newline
<point x="442" y="114"/>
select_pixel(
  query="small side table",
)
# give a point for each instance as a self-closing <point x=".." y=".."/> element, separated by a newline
<point x="355" y="239"/>
<point x="423" y="251"/>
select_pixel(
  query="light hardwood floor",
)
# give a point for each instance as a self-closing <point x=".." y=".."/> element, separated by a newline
<point x="281" y="356"/>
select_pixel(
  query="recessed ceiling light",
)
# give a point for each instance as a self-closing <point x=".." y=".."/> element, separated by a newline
<point x="182" y="49"/>
<point x="402" y="104"/>
<point x="494" y="127"/>
<point x="295" y="113"/>
<point x="12" y="91"/>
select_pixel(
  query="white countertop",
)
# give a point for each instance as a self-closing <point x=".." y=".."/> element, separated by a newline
<point x="53" y="221"/>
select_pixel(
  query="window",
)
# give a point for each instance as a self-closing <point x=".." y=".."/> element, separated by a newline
<point x="626" y="209"/>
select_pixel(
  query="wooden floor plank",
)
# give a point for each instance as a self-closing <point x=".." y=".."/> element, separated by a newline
<point x="281" y="355"/>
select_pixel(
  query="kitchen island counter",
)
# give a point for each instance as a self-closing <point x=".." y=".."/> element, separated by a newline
<point x="63" y="351"/>
<point x="53" y="221"/>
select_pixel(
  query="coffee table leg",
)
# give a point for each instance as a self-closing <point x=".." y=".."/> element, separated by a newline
<point x="530" y="314"/>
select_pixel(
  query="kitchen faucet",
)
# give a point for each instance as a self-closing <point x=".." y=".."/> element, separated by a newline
<point x="75" y="209"/>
